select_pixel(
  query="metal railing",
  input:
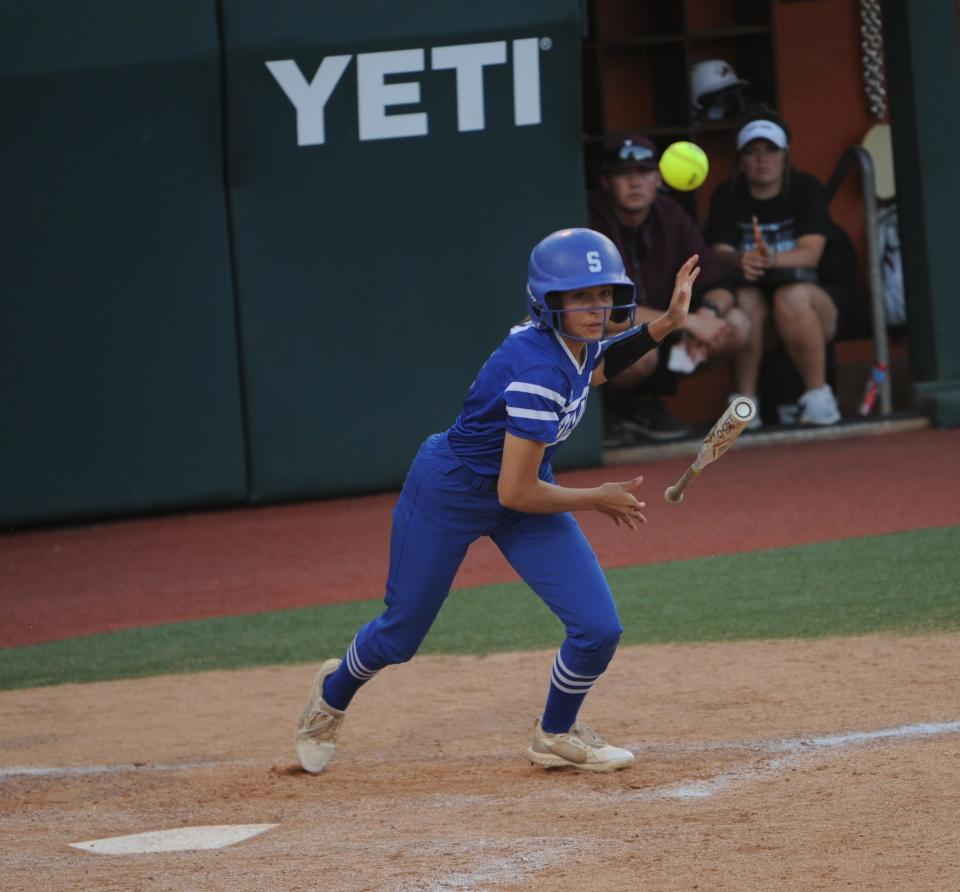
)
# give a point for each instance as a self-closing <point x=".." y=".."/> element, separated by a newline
<point x="878" y="313"/>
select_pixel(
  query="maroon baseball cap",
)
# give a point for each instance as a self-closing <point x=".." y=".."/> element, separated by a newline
<point x="626" y="150"/>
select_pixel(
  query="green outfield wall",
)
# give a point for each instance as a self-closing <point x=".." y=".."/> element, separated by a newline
<point x="389" y="174"/>
<point x="255" y="252"/>
<point x="120" y="383"/>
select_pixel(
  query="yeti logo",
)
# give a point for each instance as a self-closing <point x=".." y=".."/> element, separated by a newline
<point x="375" y="94"/>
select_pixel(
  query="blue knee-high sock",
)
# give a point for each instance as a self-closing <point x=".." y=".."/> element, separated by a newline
<point x="567" y="690"/>
<point x="340" y="686"/>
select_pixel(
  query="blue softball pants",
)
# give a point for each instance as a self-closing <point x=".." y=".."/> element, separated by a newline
<point x="442" y="508"/>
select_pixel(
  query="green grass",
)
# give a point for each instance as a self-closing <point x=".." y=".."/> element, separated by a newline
<point x="905" y="583"/>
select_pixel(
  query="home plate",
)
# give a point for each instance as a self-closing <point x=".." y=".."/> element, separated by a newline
<point x="179" y="839"/>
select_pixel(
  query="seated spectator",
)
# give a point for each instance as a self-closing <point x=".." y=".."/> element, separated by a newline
<point x="655" y="236"/>
<point x="769" y="226"/>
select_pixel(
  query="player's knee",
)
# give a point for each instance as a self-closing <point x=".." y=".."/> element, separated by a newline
<point x="394" y="639"/>
<point x="400" y="651"/>
<point x="600" y="639"/>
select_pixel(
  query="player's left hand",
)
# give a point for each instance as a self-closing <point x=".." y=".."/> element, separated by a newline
<point x="683" y="291"/>
<point x="618" y="502"/>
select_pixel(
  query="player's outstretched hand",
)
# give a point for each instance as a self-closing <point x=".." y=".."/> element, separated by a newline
<point x="618" y="502"/>
<point x="682" y="291"/>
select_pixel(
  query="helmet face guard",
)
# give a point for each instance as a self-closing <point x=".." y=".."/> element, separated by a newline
<point x="573" y="259"/>
<point x="716" y="91"/>
<point x="724" y="105"/>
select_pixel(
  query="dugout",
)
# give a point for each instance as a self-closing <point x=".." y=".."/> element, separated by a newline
<point x="813" y="61"/>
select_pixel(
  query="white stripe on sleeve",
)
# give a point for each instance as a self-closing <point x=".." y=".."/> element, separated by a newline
<point x="532" y="413"/>
<point x="523" y="387"/>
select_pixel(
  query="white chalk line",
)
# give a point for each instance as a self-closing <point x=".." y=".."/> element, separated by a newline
<point x="795" y="746"/>
<point x="538" y="855"/>
<point x="793" y="750"/>
<point x="18" y="771"/>
<point x="786" y="752"/>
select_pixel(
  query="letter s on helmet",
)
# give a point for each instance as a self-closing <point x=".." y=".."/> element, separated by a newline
<point x="571" y="259"/>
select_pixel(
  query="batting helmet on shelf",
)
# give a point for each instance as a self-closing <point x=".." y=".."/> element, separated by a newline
<point x="715" y="90"/>
<point x="571" y="259"/>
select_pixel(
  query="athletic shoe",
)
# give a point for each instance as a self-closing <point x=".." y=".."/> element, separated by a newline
<point x="788" y="413"/>
<point x="616" y="435"/>
<point x="319" y="725"/>
<point x="819" y="406"/>
<point x="756" y="422"/>
<point x="580" y="747"/>
<point x="651" y="418"/>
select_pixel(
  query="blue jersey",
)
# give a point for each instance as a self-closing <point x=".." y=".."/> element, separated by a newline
<point x="532" y="387"/>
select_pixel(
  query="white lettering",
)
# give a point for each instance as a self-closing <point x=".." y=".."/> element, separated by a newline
<point x="526" y="81"/>
<point x="593" y="261"/>
<point x="309" y="99"/>
<point x="374" y="95"/>
<point x="468" y="60"/>
<point x="571" y="417"/>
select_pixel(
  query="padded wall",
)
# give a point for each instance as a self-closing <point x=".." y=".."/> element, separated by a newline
<point x="118" y="351"/>
<point x="389" y="173"/>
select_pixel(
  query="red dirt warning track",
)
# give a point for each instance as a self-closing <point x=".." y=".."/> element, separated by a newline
<point x="77" y="581"/>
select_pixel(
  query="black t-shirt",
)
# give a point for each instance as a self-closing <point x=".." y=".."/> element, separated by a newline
<point x="783" y="219"/>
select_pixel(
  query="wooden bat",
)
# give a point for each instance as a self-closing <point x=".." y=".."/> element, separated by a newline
<point x="727" y="428"/>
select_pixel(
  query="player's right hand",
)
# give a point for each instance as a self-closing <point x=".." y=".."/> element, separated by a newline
<point x="682" y="291"/>
<point x="618" y="502"/>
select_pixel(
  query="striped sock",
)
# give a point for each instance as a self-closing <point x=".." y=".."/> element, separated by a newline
<point x="339" y="688"/>
<point x="567" y="690"/>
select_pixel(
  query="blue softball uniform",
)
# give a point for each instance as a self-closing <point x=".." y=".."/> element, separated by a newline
<point x="534" y="388"/>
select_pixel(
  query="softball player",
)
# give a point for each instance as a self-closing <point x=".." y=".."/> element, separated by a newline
<point x="490" y="475"/>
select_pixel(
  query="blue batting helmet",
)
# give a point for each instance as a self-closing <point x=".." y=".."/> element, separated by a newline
<point x="571" y="259"/>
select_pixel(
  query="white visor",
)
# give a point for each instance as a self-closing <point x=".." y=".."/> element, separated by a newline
<point x="762" y="130"/>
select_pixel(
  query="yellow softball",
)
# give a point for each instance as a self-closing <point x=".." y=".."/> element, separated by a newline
<point x="684" y="166"/>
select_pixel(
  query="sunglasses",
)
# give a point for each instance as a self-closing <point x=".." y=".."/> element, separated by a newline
<point x="630" y="152"/>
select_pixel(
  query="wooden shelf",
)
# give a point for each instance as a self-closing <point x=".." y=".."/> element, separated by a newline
<point x="722" y="33"/>
<point x="637" y="65"/>
<point x="634" y="42"/>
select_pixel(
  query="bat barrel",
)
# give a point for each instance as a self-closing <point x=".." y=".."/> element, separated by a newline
<point x="744" y="410"/>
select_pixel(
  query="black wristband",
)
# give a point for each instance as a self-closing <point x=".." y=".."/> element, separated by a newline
<point x="625" y="349"/>
<point x="710" y="305"/>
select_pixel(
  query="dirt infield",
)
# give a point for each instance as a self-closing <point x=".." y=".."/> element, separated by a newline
<point x="761" y="765"/>
<point x="78" y="581"/>
<point x="798" y="765"/>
